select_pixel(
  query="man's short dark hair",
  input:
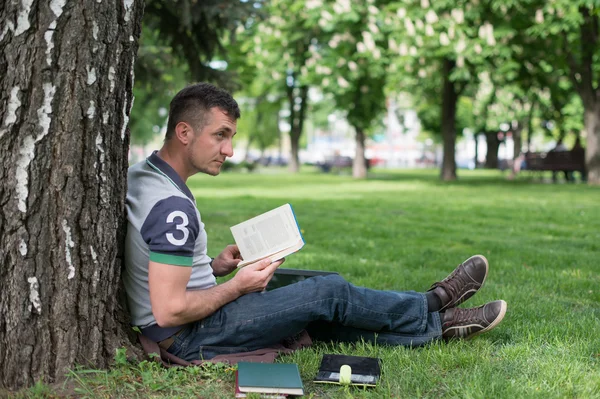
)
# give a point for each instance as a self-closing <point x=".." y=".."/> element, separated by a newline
<point x="192" y="103"/>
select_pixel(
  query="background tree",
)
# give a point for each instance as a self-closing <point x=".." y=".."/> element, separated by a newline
<point x="66" y="93"/>
<point x="571" y="29"/>
<point x="448" y="42"/>
<point x="278" y="47"/>
<point x="351" y="67"/>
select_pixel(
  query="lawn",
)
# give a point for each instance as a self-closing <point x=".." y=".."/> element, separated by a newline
<point x="403" y="230"/>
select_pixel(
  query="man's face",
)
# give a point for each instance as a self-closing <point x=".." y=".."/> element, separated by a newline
<point x="213" y="143"/>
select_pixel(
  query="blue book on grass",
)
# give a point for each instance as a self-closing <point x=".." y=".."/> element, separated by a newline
<point x="279" y="378"/>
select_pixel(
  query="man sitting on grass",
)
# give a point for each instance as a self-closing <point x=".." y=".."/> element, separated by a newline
<point x="170" y="279"/>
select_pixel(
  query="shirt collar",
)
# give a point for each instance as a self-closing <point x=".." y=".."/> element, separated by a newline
<point x="158" y="164"/>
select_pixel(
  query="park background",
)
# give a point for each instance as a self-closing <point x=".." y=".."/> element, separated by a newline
<point x="409" y="85"/>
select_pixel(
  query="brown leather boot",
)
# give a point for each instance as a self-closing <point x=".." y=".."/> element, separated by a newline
<point x="467" y="323"/>
<point x="462" y="283"/>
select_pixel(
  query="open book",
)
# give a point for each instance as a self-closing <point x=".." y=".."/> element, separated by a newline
<point x="274" y="234"/>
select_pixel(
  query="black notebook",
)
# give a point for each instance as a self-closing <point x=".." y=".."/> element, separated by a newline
<point x="363" y="370"/>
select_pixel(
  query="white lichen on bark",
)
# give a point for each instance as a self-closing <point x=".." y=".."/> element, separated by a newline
<point x="11" y="109"/>
<point x="91" y="75"/>
<point x="34" y="295"/>
<point x="8" y="27"/>
<point x="96" y="275"/>
<point x="111" y="78"/>
<point x="95" y="31"/>
<point x="126" y="112"/>
<point x="13" y="105"/>
<point x="91" y="111"/>
<point x="127" y="4"/>
<point x="26" y="154"/>
<point x="68" y="245"/>
<point x="23" y="17"/>
<point x="23" y="248"/>
<point x="126" y="118"/>
<point x="49" y="42"/>
<point x="45" y="110"/>
<point x="27" y="150"/>
<point x="105" y="117"/>
<point x="104" y="196"/>
<point x="57" y="7"/>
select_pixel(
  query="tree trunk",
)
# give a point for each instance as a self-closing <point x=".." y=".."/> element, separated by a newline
<point x="585" y="80"/>
<point x="517" y="139"/>
<point x="592" y="150"/>
<point x="449" y="99"/>
<point x="359" y="165"/>
<point x="65" y="105"/>
<point x="530" y="126"/>
<point x="491" y="158"/>
<point x="297" y="124"/>
<point x="476" y="159"/>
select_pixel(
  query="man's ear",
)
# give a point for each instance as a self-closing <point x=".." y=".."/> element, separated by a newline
<point x="184" y="132"/>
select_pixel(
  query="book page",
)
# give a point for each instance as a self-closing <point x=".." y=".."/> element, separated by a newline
<point x="266" y="234"/>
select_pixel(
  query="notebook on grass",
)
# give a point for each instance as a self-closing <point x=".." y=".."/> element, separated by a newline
<point x="349" y="370"/>
<point x="240" y="394"/>
<point x="270" y="378"/>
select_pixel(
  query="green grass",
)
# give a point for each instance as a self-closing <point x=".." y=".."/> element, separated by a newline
<point x="404" y="230"/>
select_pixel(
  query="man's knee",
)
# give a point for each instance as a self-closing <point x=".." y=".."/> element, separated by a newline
<point x="332" y="285"/>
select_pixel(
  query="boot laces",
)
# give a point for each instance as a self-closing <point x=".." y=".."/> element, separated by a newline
<point x="454" y="282"/>
<point x="467" y="316"/>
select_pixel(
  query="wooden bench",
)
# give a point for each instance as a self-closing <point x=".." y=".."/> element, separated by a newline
<point x="556" y="161"/>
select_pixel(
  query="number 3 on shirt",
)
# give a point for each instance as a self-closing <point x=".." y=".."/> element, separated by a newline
<point x="181" y="227"/>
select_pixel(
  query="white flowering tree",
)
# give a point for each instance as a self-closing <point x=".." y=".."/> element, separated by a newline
<point x="349" y="64"/>
<point x="443" y="45"/>
<point x="569" y="30"/>
<point x="278" y="48"/>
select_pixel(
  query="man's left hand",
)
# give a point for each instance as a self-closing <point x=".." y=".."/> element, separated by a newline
<point x="227" y="261"/>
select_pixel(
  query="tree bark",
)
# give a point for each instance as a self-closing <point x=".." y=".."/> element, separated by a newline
<point x="296" y="124"/>
<point x="491" y="158"/>
<point x="359" y="165"/>
<point x="66" y="93"/>
<point x="585" y="80"/>
<point x="592" y="151"/>
<point x="449" y="99"/>
<point x="517" y="139"/>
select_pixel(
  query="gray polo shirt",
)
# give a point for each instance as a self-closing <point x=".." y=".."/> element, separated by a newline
<point x="164" y="226"/>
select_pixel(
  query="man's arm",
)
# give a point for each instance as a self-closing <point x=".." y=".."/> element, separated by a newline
<point x="173" y="305"/>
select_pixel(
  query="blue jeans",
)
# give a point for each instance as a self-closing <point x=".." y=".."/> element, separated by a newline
<point x="328" y="307"/>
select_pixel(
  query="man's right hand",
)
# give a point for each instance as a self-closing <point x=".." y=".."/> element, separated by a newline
<point x="255" y="276"/>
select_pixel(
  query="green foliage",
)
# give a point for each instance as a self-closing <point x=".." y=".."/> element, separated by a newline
<point x="347" y="59"/>
<point x="181" y="42"/>
<point x="121" y="357"/>
<point x="159" y="76"/>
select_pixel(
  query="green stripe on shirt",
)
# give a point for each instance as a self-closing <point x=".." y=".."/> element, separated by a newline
<point x="171" y="259"/>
